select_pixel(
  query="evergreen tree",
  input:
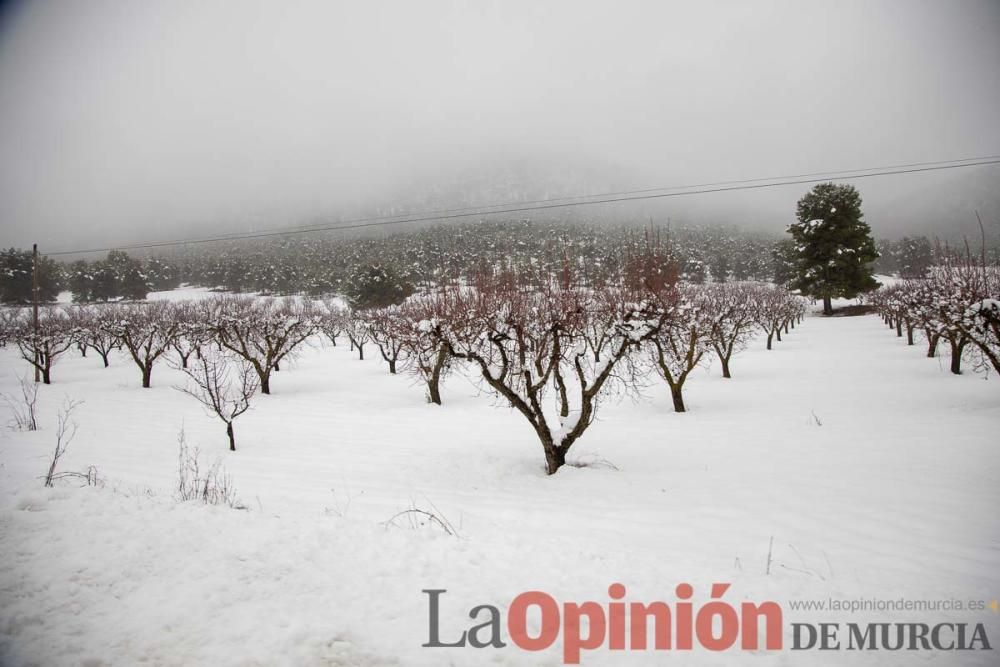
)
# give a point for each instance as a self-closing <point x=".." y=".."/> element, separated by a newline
<point x="105" y="282"/>
<point x="915" y="256"/>
<point x="376" y="287"/>
<point x="116" y="277"/>
<point x="16" y="277"/>
<point x="161" y="274"/>
<point x="784" y="260"/>
<point x="81" y="281"/>
<point x="834" y="245"/>
<point x="888" y="257"/>
<point x="128" y="274"/>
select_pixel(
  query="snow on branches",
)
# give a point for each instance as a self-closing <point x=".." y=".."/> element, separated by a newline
<point x="551" y="345"/>
<point x="57" y="332"/>
<point x="262" y="331"/>
<point x="957" y="302"/>
<point x="528" y="345"/>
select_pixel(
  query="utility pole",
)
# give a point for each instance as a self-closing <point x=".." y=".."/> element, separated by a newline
<point x="34" y="305"/>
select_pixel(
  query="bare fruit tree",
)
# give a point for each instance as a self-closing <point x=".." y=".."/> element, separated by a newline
<point x="147" y="331"/>
<point x="9" y="324"/>
<point x="684" y="340"/>
<point x="427" y="355"/>
<point x="57" y="333"/>
<point x="224" y="385"/>
<point x="193" y="332"/>
<point x="333" y="320"/>
<point x="97" y="325"/>
<point x="387" y="327"/>
<point x="774" y="308"/>
<point x="731" y="305"/>
<point x="527" y="342"/>
<point x="262" y="331"/>
<point x="358" y="330"/>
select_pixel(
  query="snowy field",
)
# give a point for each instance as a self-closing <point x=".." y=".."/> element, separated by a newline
<point x="872" y="470"/>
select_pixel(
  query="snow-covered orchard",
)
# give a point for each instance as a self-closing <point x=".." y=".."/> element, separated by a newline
<point x="834" y="463"/>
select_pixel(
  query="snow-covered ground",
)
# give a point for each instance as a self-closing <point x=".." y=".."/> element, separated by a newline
<point x="875" y="471"/>
<point x="184" y="292"/>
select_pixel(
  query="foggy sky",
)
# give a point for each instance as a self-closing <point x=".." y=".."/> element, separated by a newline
<point x="125" y="121"/>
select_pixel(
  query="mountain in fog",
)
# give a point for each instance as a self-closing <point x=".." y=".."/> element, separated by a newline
<point x="944" y="206"/>
<point x="939" y="204"/>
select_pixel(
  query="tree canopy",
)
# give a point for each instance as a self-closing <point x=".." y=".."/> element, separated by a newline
<point x="833" y="245"/>
<point x="376" y="287"/>
<point x="15" y="277"/>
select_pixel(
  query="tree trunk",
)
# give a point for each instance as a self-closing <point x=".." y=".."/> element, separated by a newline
<point x="433" y="391"/>
<point x="434" y="383"/>
<point x="909" y="334"/>
<point x="104" y="358"/>
<point x="769" y="337"/>
<point x="392" y="366"/>
<point x="786" y="327"/>
<point x="899" y="327"/>
<point x="147" y="373"/>
<point x="678" y="397"/>
<point x="932" y="342"/>
<point x="46" y="375"/>
<point x="232" y="438"/>
<point x="265" y="378"/>
<point x="725" y="367"/>
<point x="555" y="458"/>
<point x="778" y="331"/>
<point x="956" y="356"/>
<point x="361" y="352"/>
<point x="827" y="306"/>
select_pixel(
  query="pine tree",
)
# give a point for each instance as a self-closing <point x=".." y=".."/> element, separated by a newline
<point x="105" y="285"/>
<point x="16" y="277"/>
<point x="916" y="255"/>
<point x="376" y="287"/>
<point x="81" y="281"/>
<point x="834" y="245"/>
<point x="131" y="282"/>
<point x="784" y="262"/>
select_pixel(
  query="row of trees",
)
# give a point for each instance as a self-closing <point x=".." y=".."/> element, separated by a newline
<point x="554" y="350"/>
<point x="550" y="346"/>
<point x="116" y="277"/>
<point x="908" y="257"/>
<point x="16" y="277"/>
<point x="958" y="303"/>
<point x="261" y="331"/>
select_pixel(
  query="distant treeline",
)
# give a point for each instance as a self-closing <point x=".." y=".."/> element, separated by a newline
<point x="435" y="255"/>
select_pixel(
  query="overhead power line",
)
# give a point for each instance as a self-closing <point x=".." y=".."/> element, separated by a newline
<point x="562" y="202"/>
